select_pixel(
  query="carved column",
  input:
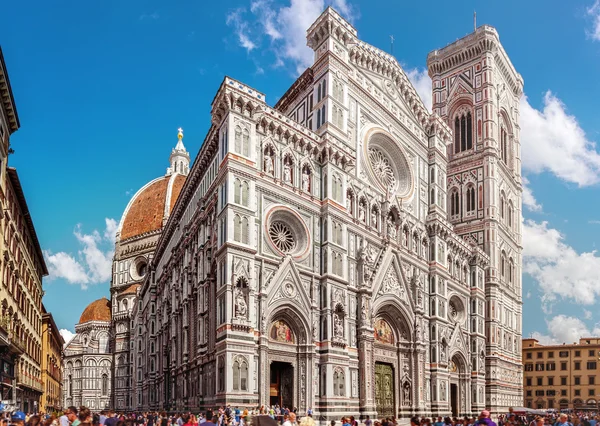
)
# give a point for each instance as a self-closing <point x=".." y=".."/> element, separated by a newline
<point x="365" y="356"/>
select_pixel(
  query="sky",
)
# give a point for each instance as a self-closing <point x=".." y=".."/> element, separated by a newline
<point x="101" y="88"/>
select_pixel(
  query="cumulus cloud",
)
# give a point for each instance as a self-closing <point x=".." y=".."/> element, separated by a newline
<point x="93" y="262"/>
<point x="422" y="84"/>
<point x="565" y="329"/>
<point x="553" y="141"/>
<point x="560" y="271"/>
<point x="529" y="200"/>
<point x="67" y="335"/>
<point x="282" y="28"/>
<point x="594" y="12"/>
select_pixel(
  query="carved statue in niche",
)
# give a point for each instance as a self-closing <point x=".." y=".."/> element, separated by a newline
<point x="268" y="164"/>
<point x="315" y="328"/>
<point x="361" y="212"/>
<point x="374" y="218"/>
<point x="306" y="179"/>
<point x="364" y="312"/>
<point x="338" y="326"/>
<point x="391" y="227"/>
<point x="406" y="394"/>
<point x="241" y="307"/>
<point x="442" y="391"/>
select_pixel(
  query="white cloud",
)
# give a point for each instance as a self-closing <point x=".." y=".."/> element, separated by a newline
<point x="565" y="329"/>
<point x="587" y="314"/>
<point x="153" y="16"/>
<point x="594" y="222"/>
<point x="594" y="12"/>
<point x="422" y="84"/>
<point x="529" y="200"/>
<point x="553" y="141"/>
<point x="284" y="27"/>
<point x="93" y="263"/>
<point x="528" y="295"/>
<point x="559" y="270"/>
<point x="240" y="27"/>
<point x="67" y="335"/>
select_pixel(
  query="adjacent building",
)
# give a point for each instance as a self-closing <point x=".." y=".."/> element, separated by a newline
<point x="88" y="359"/>
<point x="52" y="364"/>
<point x="561" y="376"/>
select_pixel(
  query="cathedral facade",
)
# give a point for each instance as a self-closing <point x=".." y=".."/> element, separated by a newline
<point x="344" y="251"/>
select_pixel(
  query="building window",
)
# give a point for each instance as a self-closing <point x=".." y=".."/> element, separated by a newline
<point x="338" y="383"/>
<point x="470" y="199"/>
<point x="591" y="352"/>
<point x="563" y="354"/>
<point x="528" y="393"/>
<point x="528" y="356"/>
<point x="591" y="365"/>
<point x="241" y="190"/>
<point x="563" y="392"/>
<point x="454" y="203"/>
<point x="240" y="229"/>
<point x="577" y="365"/>
<point x="577" y="392"/>
<point x="504" y="145"/>
<point x="550" y="366"/>
<point x="563" y="366"/>
<point x="592" y="380"/>
<point x="591" y="392"/>
<point x="577" y="353"/>
<point x="563" y="381"/>
<point x="550" y="354"/>
<point x="577" y="380"/>
<point x="528" y="381"/>
<point x="540" y="381"/>
<point x="104" y="384"/>
<point x="539" y="367"/>
<point x="463" y="133"/>
<point x="550" y="381"/>
<point x="529" y="367"/>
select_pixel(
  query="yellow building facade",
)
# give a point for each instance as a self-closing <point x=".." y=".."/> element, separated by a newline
<point x="561" y="376"/>
<point x="52" y="364"/>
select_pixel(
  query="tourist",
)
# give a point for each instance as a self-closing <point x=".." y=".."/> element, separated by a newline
<point x="563" y="420"/>
<point x="484" y="419"/>
<point x="17" y="418"/>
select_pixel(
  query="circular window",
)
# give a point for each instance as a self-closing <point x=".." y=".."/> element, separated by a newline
<point x="139" y="268"/>
<point x="282" y="236"/>
<point x="287" y="232"/>
<point x="388" y="164"/>
<point x="456" y="309"/>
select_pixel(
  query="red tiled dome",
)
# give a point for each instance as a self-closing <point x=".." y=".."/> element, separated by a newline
<point x="98" y="310"/>
<point x="146" y="210"/>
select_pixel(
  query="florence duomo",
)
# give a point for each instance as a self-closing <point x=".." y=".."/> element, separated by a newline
<point x="345" y="251"/>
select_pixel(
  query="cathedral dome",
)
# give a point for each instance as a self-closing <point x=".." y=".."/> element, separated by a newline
<point x="150" y="205"/>
<point x="98" y="310"/>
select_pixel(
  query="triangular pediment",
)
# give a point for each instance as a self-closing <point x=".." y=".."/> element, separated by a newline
<point x="460" y="87"/>
<point x="389" y="279"/>
<point x="457" y="341"/>
<point x="286" y="287"/>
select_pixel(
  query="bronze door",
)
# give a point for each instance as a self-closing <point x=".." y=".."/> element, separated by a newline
<point x="384" y="390"/>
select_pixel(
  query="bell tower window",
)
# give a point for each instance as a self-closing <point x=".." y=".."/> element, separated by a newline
<point x="463" y="132"/>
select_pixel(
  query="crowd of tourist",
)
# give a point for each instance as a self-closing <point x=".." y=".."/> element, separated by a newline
<point x="275" y="416"/>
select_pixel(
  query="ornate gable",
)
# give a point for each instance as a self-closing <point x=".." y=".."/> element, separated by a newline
<point x="288" y="287"/>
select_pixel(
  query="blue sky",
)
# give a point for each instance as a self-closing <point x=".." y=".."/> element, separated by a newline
<point x="101" y="88"/>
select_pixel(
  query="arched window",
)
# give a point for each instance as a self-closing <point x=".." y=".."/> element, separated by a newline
<point x="237" y="191"/>
<point x="246" y="143"/>
<point x="502" y="205"/>
<point x="103" y="343"/>
<point x="338" y="383"/>
<point x="236" y="375"/>
<point x="237" y="228"/>
<point x="104" y="384"/>
<point x="245" y="230"/>
<point x="463" y="132"/>
<point x="470" y="199"/>
<point x="454" y="203"/>
<point x="510" y="214"/>
<point x="245" y="193"/>
<point x="504" y="144"/>
<point x="244" y="377"/>
<point x="503" y="264"/>
<point x="511" y="270"/>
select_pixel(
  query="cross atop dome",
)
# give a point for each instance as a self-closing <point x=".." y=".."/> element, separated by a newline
<point x="179" y="158"/>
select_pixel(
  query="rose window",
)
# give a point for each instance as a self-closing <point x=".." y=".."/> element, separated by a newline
<point x="282" y="236"/>
<point x="388" y="165"/>
<point x="382" y="168"/>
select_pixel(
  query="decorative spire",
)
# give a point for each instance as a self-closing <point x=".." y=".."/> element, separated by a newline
<point x="179" y="158"/>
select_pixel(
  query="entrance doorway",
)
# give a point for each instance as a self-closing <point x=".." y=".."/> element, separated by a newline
<point x="281" y="387"/>
<point x="384" y="390"/>
<point x="454" y="399"/>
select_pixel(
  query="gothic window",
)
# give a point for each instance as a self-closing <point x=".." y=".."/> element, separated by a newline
<point x="324" y="88"/>
<point x="470" y="199"/>
<point x="339" y="383"/>
<point x="238" y="140"/>
<point x="510" y="214"/>
<point x="224" y="143"/>
<point x="503" y="264"/>
<point x="104" y="385"/>
<point x="246" y="143"/>
<point x="504" y="144"/>
<point x="240" y="229"/>
<point x="338" y="90"/>
<point x="463" y="132"/>
<point x="241" y="190"/>
<point x="511" y="271"/>
<point x="236" y="375"/>
<point x="103" y="343"/>
<point x="454" y="203"/>
<point x="502" y="205"/>
<point x="323" y="114"/>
